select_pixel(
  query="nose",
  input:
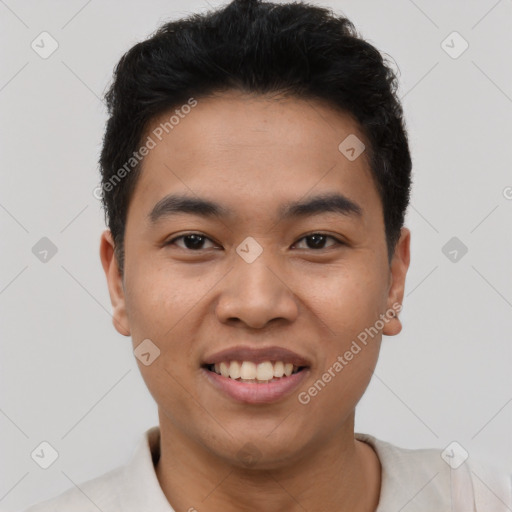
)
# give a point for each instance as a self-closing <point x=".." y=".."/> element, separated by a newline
<point x="256" y="294"/>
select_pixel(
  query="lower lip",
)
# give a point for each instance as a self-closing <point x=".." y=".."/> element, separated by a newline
<point x="253" y="393"/>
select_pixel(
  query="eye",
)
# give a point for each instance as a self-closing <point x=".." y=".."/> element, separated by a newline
<point x="196" y="241"/>
<point x="317" y="240"/>
<point x="191" y="241"/>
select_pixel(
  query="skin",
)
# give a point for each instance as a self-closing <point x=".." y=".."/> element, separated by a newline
<point x="251" y="154"/>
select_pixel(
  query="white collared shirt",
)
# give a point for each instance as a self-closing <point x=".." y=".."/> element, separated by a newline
<point x="411" y="481"/>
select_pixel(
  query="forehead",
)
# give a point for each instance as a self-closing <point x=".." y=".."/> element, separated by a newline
<point x="237" y="147"/>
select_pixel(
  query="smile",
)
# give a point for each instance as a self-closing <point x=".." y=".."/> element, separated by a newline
<point x="247" y="371"/>
<point x="252" y="390"/>
<point x="255" y="375"/>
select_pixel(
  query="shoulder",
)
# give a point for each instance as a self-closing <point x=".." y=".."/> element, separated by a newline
<point x="417" y="480"/>
<point x="99" y="493"/>
<point x="131" y="487"/>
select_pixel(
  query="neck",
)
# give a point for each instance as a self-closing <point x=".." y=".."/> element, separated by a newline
<point x="340" y="474"/>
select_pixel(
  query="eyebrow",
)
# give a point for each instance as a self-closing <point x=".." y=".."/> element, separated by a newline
<point x="172" y="204"/>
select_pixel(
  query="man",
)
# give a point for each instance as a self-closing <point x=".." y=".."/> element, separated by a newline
<point x="255" y="177"/>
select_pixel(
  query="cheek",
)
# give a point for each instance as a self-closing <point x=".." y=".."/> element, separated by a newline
<point x="162" y="306"/>
<point x="158" y="308"/>
<point x="348" y="303"/>
<point x="157" y="300"/>
<point x="347" y="299"/>
<point x="168" y="381"/>
<point x="336" y="391"/>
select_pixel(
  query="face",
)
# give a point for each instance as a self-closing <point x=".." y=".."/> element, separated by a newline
<point x="286" y="263"/>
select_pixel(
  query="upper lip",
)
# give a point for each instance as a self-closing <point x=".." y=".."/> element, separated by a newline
<point x="257" y="355"/>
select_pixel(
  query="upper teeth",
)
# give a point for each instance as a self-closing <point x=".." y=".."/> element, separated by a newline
<point x="247" y="370"/>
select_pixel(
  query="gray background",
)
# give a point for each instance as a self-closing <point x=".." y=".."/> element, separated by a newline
<point x="67" y="377"/>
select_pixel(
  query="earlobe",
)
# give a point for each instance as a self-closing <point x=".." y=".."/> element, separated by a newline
<point x="398" y="271"/>
<point x="393" y="326"/>
<point x="115" y="283"/>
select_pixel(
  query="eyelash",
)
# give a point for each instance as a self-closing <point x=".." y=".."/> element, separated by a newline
<point x="172" y="241"/>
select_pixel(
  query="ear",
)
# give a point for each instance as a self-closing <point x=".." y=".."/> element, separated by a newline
<point x="115" y="283"/>
<point x="398" y="270"/>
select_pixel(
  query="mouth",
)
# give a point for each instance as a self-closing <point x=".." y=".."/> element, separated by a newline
<point x="255" y="376"/>
<point x="248" y="371"/>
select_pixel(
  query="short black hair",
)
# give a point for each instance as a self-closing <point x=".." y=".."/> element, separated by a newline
<point x="256" y="47"/>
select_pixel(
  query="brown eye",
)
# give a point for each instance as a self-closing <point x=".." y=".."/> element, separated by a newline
<point x="196" y="241"/>
<point x="191" y="241"/>
<point x="318" y="240"/>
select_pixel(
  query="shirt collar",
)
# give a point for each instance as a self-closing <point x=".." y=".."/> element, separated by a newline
<point x="141" y="487"/>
